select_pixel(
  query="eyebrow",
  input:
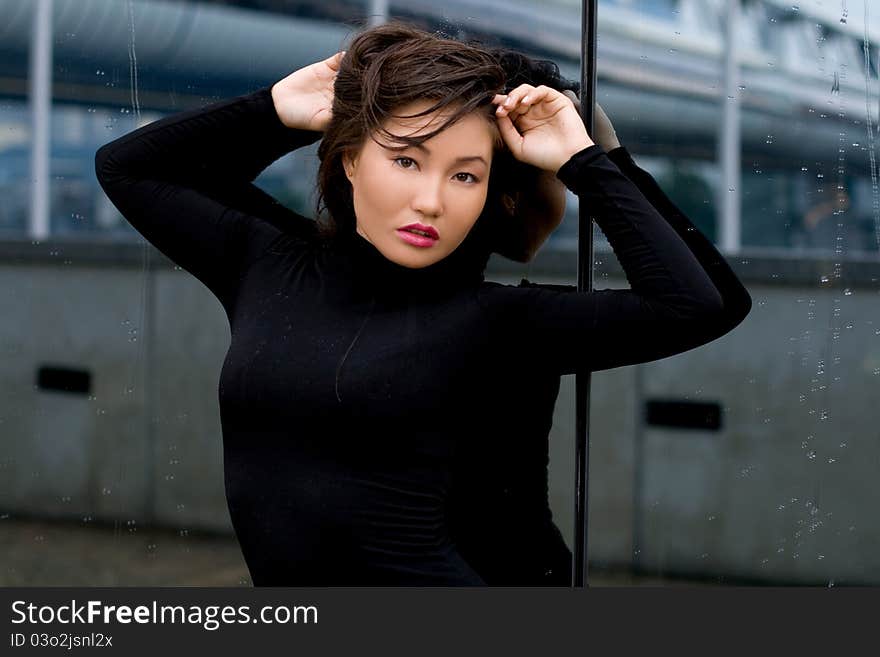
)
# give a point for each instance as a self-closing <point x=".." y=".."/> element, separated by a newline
<point x="422" y="147"/>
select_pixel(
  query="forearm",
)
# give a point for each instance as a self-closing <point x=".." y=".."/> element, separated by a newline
<point x="658" y="264"/>
<point x="233" y="139"/>
<point x="737" y="301"/>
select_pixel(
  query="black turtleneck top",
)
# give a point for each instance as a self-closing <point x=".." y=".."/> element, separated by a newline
<point x="351" y="382"/>
<point x="499" y="510"/>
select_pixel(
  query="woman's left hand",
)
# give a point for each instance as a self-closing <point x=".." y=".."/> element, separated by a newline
<point x="540" y="126"/>
<point x="603" y="129"/>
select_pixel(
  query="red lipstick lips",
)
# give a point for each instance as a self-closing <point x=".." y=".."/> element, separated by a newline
<point x="429" y="230"/>
<point x="419" y="235"/>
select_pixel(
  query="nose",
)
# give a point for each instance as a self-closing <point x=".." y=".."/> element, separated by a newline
<point x="428" y="197"/>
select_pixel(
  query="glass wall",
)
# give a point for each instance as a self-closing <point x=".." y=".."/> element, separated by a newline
<point x="777" y="493"/>
<point x="792" y="197"/>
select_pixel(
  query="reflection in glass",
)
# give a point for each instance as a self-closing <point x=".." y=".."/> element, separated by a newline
<point x="775" y="496"/>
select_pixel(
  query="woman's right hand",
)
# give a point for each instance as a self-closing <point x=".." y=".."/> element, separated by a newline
<point x="304" y="98"/>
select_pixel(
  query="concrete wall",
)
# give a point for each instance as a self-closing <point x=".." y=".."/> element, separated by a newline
<point x="784" y="490"/>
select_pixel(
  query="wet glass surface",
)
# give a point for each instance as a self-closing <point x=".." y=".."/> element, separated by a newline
<point x="109" y="431"/>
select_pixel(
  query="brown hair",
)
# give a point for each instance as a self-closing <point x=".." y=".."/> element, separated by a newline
<point x="384" y="68"/>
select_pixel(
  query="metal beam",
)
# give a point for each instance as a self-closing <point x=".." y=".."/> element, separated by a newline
<point x="40" y="100"/>
<point x="584" y="284"/>
<point x="729" y="192"/>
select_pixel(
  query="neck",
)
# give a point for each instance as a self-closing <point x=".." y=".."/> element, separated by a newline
<point x="460" y="269"/>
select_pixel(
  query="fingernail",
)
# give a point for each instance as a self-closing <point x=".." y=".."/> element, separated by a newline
<point x="507" y="102"/>
<point x="525" y="99"/>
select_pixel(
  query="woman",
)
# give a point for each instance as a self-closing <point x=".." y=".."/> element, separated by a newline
<point x="499" y="510"/>
<point x="359" y="355"/>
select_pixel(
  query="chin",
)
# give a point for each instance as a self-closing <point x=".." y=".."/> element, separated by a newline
<point x="417" y="261"/>
<point x="419" y="264"/>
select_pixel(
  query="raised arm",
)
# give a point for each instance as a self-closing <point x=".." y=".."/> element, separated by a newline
<point x="185" y="181"/>
<point x="736" y="299"/>
<point x="673" y="304"/>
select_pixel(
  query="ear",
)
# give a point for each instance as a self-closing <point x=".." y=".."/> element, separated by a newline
<point x="509" y="203"/>
<point x="349" y="164"/>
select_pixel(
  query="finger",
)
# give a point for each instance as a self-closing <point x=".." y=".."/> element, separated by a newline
<point x="506" y="102"/>
<point x="510" y="134"/>
<point x="536" y="95"/>
<point x="517" y="102"/>
<point x="528" y="100"/>
<point x="520" y="110"/>
<point x="334" y="60"/>
<point x="516" y="95"/>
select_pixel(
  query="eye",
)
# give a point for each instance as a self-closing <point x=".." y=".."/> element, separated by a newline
<point x="408" y="159"/>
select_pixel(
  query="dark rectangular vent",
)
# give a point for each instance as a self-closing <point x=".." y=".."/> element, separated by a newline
<point x="683" y="414"/>
<point x="64" y="379"/>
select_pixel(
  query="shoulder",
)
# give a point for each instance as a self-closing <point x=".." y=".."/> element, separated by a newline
<point x="493" y="291"/>
<point x="287" y="241"/>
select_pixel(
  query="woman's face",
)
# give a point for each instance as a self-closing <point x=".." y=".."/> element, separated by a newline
<point x="441" y="186"/>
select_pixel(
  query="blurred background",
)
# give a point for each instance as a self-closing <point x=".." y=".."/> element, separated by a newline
<point x="751" y="460"/>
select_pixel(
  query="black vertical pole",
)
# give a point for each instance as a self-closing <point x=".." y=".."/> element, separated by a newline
<point x="584" y="284"/>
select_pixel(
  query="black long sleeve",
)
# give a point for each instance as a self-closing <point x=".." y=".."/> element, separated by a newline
<point x="682" y="292"/>
<point x="350" y="379"/>
<point x="737" y="301"/>
<point x="184" y="182"/>
<point x="501" y="515"/>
